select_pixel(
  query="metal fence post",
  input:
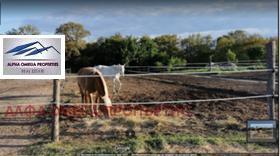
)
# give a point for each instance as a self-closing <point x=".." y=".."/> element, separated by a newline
<point x="55" y="110"/>
<point x="271" y="50"/>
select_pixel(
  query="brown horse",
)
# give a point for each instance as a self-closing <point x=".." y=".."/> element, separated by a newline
<point x="94" y="89"/>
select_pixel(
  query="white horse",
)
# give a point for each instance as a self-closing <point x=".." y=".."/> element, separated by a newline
<point x="114" y="72"/>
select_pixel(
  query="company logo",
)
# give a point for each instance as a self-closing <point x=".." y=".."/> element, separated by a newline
<point x="33" y="57"/>
<point x="27" y="48"/>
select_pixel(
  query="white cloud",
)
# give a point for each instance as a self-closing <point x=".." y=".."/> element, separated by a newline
<point x="217" y="33"/>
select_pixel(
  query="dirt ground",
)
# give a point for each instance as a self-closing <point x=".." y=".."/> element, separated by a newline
<point x="202" y="118"/>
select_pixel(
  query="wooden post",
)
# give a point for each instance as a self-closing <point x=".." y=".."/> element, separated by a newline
<point x="271" y="50"/>
<point x="55" y="110"/>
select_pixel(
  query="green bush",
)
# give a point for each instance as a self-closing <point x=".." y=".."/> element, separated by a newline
<point x="256" y="52"/>
<point x="175" y="61"/>
<point x="159" y="64"/>
<point x="231" y="56"/>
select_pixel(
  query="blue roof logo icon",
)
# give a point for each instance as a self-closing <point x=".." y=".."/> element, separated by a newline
<point x="28" y="50"/>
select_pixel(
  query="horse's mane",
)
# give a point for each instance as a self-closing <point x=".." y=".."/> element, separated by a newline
<point x="102" y="82"/>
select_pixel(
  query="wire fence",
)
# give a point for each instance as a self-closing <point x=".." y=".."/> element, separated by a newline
<point x="148" y="102"/>
<point x="24" y="102"/>
<point x="28" y="98"/>
<point x="237" y="62"/>
<point x="202" y="64"/>
<point x="214" y="66"/>
<point x="183" y="67"/>
<point x="175" y="73"/>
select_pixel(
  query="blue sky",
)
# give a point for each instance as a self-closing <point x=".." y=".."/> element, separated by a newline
<point x="262" y="123"/>
<point x="153" y="17"/>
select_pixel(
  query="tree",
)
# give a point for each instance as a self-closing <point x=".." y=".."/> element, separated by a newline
<point x="256" y="52"/>
<point x="113" y="47"/>
<point x="165" y="50"/>
<point x="224" y="43"/>
<point x="197" y="48"/>
<point x="147" y="50"/>
<point x="255" y="47"/>
<point x="130" y="51"/>
<point x="168" y="44"/>
<point x="236" y="41"/>
<point x="24" y="30"/>
<point x="255" y="39"/>
<point x="74" y="38"/>
<point x="239" y="36"/>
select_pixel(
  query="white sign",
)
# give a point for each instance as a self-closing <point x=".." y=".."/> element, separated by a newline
<point x="32" y="57"/>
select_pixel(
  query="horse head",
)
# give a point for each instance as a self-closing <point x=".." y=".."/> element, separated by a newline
<point x="120" y="68"/>
<point x="107" y="101"/>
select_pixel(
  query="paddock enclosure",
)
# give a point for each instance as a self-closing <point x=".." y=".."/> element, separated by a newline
<point x="165" y="112"/>
<point x="221" y="119"/>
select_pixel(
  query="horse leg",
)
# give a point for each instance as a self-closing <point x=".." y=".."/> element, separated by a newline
<point x="83" y="97"/>
<point x="93" y="105"/>
<point x="86" y="99"/>
<point x="119" y="85"/>
<point x="114" y="86"/>
<point x="83" y="101"/>
<point x="82" y="93"/>
<point x="97" y="101"/>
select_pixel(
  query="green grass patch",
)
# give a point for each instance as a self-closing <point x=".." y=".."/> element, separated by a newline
<point x="155" y="143"/>
<point x="150" y="143"/>
<point x="230" y="123"/>
<point x="185" y="139"/>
